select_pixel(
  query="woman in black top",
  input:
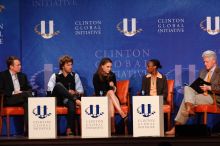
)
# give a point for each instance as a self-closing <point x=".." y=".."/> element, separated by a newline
<point x="154" y="83"/>
<point x="104" y="82"/>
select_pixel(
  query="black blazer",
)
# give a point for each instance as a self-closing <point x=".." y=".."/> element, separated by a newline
<point x="100" y="85"/>
<point x="6" y="84"/>
<point x="161" y="86"/>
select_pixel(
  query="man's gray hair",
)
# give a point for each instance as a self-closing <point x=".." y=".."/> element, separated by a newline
<point x="209" y="54"/>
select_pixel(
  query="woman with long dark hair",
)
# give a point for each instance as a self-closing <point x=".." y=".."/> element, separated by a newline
<point x="104" y="82"/>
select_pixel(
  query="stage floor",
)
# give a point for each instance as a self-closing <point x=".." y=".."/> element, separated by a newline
<point x="213" y="140"/>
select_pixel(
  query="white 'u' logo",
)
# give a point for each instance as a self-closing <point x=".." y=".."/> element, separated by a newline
<point x="133" y="27"/>
<point x="51" y="30"/>
<point x="209" y="28"/>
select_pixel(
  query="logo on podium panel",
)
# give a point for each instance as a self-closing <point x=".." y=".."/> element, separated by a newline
<point x="145" y="110"/>
<point x="93" y="111"/>
<point x="148" y="116"/>
<point x="42" y="117"/>
<point x="124" y="29"/>
<point x="95" y="117"/>
<point x="41" y="112"/>
<point x="208" y="27"/>
<point x="42" y="31"/>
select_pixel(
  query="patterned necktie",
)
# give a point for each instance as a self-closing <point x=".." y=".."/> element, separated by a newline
<point x="208" y="79"/>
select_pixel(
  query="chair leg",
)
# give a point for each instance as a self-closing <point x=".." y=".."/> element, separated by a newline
<point x="8" y="125"/>
<point x="77" y="125"/>
<point x="169" y="121"/>
<point x="205" y="118"/>
<point x="1" y="125"/>
<point x="113" y="125"/>
<point x="126" y="128"/>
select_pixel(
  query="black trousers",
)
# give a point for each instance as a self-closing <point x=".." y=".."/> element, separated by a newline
<point x="20" y="99"/>
<point x="61" y="93"/>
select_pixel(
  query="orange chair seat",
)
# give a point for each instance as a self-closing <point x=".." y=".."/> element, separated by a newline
<point x="13" y="111"/>
<point x="78" y="110"/>
<point x="125" y="108"/>
<point x="8" y="111"/>
<point x="207" y="108"/>
<point x="62" y="110"/>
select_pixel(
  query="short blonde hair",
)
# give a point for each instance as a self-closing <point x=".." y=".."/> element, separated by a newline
<point x="209" y="54"/>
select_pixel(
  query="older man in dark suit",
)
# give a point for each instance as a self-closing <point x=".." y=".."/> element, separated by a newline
<point x="15" y="86"/>
<point x="210" y="74"/>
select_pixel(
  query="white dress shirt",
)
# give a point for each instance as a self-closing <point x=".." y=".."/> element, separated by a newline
<point x="16" y="83"/>
<point x="78" y="84"/>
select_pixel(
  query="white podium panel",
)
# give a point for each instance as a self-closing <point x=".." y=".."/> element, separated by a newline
<point x="148" y="117"/>
<point x="42" y="117"/>
<point x="95" y="117"/>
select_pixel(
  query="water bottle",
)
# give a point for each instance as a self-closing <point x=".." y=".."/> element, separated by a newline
<point x="33" y="93"/>
<point x="142" y="92"/>
<point x="100" y="92"/>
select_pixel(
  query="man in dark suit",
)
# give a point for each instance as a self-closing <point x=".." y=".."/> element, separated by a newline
<point x="15" y="86"/>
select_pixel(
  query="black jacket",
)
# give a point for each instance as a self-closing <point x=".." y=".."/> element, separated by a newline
<point x="6" y="84"/>
<point x="103" y="85"/>
<point x="161" y="86"/>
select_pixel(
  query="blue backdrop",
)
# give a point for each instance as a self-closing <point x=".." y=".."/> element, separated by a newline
<point x="10" y="40"/>
<point x="173" y="31"/>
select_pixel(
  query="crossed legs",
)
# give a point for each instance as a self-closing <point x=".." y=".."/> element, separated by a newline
<point x="191" y="99"/>
<point x="114" y="104"/>
<point x="60" y="91"/>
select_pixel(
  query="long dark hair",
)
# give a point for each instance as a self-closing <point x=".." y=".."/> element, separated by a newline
<point x="100" y="71"/>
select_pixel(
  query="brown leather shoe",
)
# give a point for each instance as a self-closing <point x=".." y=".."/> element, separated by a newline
<point x="171" y="132"/>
